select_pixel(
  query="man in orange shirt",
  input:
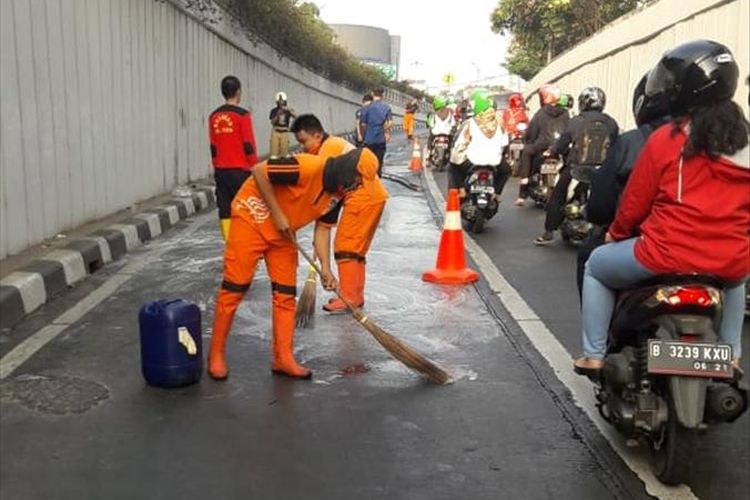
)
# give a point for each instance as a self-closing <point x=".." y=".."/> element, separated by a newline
<point x="359" y="221"/>
<point x="283" y="195"/>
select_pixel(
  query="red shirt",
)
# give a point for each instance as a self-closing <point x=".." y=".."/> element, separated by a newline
<point x="693" y="221"/>
<point x="511" y="119"/>
<point x="230" y="130"/>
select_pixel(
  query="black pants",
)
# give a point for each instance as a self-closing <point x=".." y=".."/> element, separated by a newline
<point x="530" y="165"/>
<point x="458" y="173"/>
<point x="228" y="182"/>
<point x="555" y="208"/>
<point x="379" y="150"/>
<point x="595" y="239"/>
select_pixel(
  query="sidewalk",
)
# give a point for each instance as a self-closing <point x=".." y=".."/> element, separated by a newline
<point x="78" y="421"/>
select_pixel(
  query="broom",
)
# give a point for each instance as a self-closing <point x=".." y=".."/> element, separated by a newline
<point x="305" y="316"/>
<point x="399" y="350"/>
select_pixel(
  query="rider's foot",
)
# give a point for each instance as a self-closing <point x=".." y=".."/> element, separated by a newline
<point x="520" y="202"/>
<point x="739" y="372"/>
<point x="462" y="193"/>
<point x="588" y="366"/>
<point x="544" y="239"/>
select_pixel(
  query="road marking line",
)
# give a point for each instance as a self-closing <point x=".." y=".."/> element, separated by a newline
<point x="561" y="363"/>
<point x="26" y="349"/>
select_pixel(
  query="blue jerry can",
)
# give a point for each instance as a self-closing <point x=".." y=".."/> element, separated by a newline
<point x="171" y="353"/>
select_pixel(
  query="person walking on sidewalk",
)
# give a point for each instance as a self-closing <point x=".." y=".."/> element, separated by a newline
<point x="281" y="117"/>
<point x="411" y="108"/>
<point x="366" y="101"/>
<point x="376" y="125"/>
<point x="362" y="210"/>
<point x="233" y="148"/>
<point x="284" y="195"/>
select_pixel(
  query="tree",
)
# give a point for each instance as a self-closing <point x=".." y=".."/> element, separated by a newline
<point x="543" y="29"/>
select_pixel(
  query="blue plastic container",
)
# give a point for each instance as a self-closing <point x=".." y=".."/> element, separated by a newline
<point x="171" y="350"/>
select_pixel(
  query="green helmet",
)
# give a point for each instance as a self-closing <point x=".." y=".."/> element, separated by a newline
<point x="481" y="101"/>
<point x="438" y="103"/>
<point x="563" y="101"/>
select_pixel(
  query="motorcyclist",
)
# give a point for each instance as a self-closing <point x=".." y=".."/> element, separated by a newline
<point x="544" y="129"/>
<point x="515" y="119"/>
<point x="442" y="122"/>
<point x="609" y="181"/>
<point x="592" y="126"/>
<point x="479" y="142"/>
<point x="686" y="195"/>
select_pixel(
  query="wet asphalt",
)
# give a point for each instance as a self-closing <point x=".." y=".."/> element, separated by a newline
<point x="545" y="278"/>
<point x="78" y="421"/>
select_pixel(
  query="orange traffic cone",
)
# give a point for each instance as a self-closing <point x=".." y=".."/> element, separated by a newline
<point x="451" y="262"/>
<point x="416" y="157"/>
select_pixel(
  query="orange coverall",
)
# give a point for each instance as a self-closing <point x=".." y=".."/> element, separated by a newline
<point x="359" y="221"/>
<point x="298" y="186"/>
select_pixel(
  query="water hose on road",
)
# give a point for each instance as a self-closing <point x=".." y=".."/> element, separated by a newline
<point x="404" y="182"/>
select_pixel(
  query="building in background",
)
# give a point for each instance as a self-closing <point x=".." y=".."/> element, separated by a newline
<point x="371" y="45"/>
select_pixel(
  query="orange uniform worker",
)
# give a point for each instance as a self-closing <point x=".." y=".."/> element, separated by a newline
<point x="411" y="108"/>
<point x="282" y="196"/>
<point x="362" y="210"/>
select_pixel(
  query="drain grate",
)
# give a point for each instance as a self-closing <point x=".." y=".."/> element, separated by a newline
<point x="58" y="395"/>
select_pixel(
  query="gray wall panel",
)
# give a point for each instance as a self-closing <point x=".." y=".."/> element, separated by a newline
<point x="104" y="103"/>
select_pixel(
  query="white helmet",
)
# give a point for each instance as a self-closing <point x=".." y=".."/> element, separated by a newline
<point x="280" y="96"/>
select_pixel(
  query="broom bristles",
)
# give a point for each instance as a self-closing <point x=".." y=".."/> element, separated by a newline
<point x="305" y="315"/>
<point x="398" y="349"/>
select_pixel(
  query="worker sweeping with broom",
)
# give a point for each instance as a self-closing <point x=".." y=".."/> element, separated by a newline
<point x="362" y="210"/>
<point x="282" y="196"/>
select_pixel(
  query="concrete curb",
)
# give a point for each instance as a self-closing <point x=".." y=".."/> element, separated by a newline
<point x="28" y="288"/>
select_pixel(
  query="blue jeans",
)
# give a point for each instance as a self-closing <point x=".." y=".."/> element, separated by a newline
<point x="614" y="267"/>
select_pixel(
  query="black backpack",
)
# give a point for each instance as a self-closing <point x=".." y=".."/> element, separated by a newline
<point x="553" y="129"/>
<point x="590" y="148"/>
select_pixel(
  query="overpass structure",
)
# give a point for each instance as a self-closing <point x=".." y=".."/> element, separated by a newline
<point x="617" y="57"/>
<point x="104" y="104"/>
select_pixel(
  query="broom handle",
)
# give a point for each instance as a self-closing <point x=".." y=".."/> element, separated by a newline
<point x="315" y="266"/>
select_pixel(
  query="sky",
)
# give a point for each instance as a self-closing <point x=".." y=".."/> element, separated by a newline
<point x="437" y="36"/>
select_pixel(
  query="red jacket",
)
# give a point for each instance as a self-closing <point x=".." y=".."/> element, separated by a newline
<point x="230" y="130"/>
<point x="693" y="219"/>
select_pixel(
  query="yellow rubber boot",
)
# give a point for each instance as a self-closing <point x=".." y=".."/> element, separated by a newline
<point x="224" y="225"/>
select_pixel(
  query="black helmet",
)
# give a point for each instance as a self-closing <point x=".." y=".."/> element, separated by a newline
<point x="696" y="73"/>
<point x="646" y="109"/>
<point x="592" y="99"/>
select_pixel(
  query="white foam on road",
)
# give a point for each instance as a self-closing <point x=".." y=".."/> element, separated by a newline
<point x="26" y="349"/>
<point x="561" y="363"/>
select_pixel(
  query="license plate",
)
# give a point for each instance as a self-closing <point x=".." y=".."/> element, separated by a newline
<point x="549" y="168"/>
<point x="516" y="147"/>
<point x="690" y="359"/>
<point x="482" y="189"/>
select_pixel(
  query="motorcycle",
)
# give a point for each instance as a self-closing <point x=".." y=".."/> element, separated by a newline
<point x="542" y="184"/>
<point x="515" y="148"/>
<point x="575" y="228"/>
<point x="666" y="377"/>
<point x="479" y="206"/>
<point x="440" y="152"/>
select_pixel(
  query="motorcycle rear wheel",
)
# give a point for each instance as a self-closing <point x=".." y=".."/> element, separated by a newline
<point x="673" y="461"/>
<point x="477" y="226"/>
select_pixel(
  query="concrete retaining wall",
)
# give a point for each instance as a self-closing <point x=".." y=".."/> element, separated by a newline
<point x="104" y="104"/>
<point x="617" y="57"/>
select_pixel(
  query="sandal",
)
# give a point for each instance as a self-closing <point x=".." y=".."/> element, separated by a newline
<point x="588" y="367"/>
<point x="544" y="239"/>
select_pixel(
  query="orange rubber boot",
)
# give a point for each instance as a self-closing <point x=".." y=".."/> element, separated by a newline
<point x="348" y="279"/>
<point x="283" y="339"/>
<point x="226" y="305"/>
<point x="359" y="295"/>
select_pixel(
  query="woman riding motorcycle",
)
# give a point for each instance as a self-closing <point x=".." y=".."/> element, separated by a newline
<point x="479" y="142"/>
<point x="515" y="119"/>
<point x="687" y="194"/>
<point x="441" y="120"/>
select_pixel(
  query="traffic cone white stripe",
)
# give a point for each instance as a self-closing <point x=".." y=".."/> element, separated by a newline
<point x="452" y="221"/>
